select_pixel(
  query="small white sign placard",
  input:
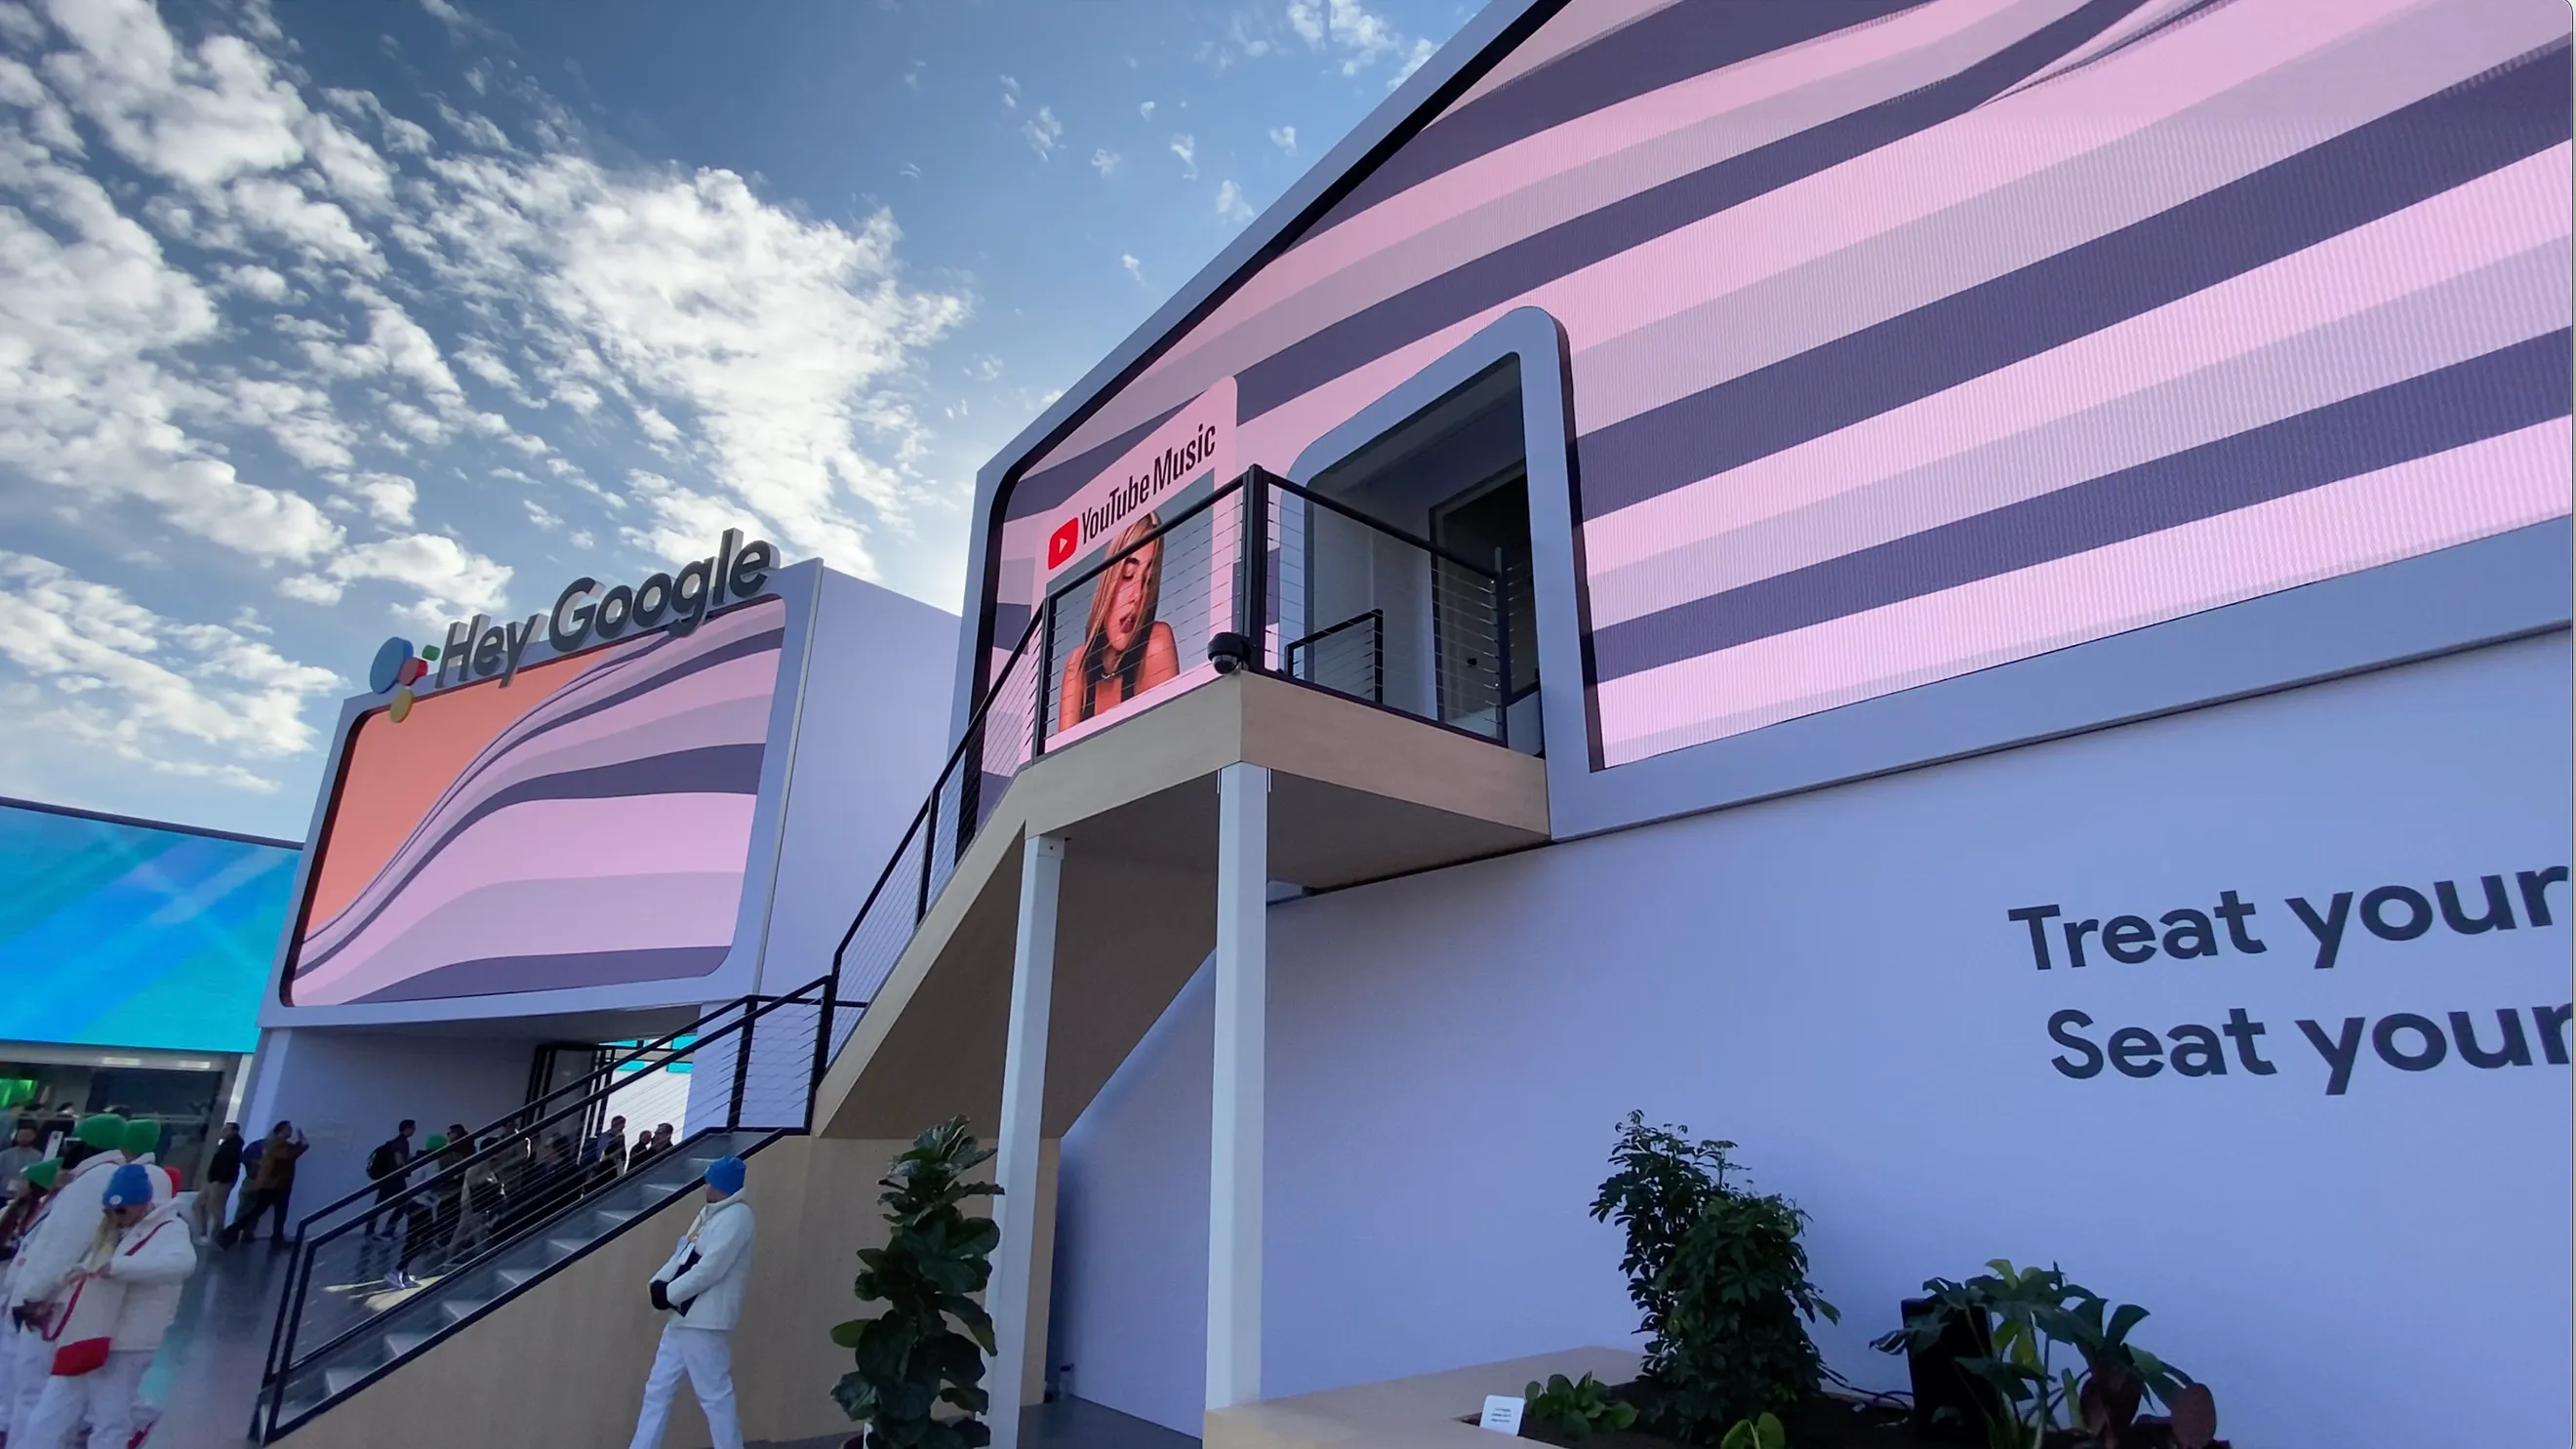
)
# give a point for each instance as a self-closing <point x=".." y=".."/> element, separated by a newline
<point x="1503" y="1413"/>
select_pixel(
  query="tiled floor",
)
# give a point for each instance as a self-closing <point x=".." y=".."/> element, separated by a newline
<point x="208" y="1372"/>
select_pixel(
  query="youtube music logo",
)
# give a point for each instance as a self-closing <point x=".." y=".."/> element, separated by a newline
<point x="1060" y="547"/>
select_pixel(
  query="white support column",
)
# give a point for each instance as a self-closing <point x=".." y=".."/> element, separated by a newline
<point x="1234" y="1159"/>
<point x="1015" y="1164"/>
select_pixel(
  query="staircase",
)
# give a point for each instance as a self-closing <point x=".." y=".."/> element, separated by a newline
<point x="366" y="1295"/>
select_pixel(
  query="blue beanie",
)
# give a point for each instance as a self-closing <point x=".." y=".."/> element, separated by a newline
<point x="725" y="1175"/>
<point x="130" y="1187"/>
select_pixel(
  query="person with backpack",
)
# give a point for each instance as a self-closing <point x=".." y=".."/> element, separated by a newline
<point x="222" y="1171"/>
<point x="389" y="1168"/>
<point x="139" y="1258"/>
<point x="272" y="1181"/>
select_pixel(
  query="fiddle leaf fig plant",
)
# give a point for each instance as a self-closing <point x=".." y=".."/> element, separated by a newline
<point x="925" y="1349"/>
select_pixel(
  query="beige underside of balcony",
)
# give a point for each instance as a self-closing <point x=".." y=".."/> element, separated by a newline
<point x="1358" y="794"/>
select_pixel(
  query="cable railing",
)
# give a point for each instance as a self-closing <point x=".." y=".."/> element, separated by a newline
<point x="376" y="1274"/>
<point x="1414" y="628"/>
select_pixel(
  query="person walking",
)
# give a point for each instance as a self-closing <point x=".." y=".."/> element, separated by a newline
<point x="701" y="1288"/>
<point x="21" y="1154"/>
<point x="222" y="1171"/>
<point x="136" y="1254"/>
<point x="26" y="1209"/>
<point x="272" y="1181"/>
<point x="389" y="1168"/>
<point x="51" y="1253"/>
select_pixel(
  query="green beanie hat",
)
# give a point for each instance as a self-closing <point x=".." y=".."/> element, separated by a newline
<point x="104" y="1132"/>
<point x="437" y="1142"/>
<point x="142" y="1136"/>
<point x="42" y="1174"/>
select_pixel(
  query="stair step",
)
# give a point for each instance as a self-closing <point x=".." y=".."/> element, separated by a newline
<point x="459" y="1307"/>
<point x="403" y="1344"/>
<point x="566" y="1247"/>
<point x="513" y="1277"/>
<point x="337" y="1381"/>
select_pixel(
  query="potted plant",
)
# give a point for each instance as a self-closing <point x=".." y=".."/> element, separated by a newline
<point x="1720" y="1278"/>
<point x="2058" y="1367"/>
<point x="925" y="1349"/>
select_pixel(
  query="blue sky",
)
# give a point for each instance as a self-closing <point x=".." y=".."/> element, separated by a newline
<point x="321" y="323"/>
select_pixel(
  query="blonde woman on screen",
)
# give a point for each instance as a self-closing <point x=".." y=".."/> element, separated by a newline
<point x="1125" y="650"/>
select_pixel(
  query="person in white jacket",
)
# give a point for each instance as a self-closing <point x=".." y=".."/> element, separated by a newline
<point x="47" y="1258"/>
<point x="701" y="1288"/>
<point x="143" y="1250"/>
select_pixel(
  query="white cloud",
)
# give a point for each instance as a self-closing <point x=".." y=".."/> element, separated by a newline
<point x="111" y="675"/>
<point x="1043" y="132"/>
<point x="1358" y="36"/>
<point x="1285" y="138"/>
<point x="1010" y="92"/>
<point x="1105" y="161"/>
<point x="788" y="341"/>
<point x="389" y="496"/>
<point x="1188" y="150"/>
<point x="446" y="579"/>
<point x="1134" y="267"/>
<point x="1146" y="111"/>
<point x="261" y="353"/>
<point x="1231" y="205"/>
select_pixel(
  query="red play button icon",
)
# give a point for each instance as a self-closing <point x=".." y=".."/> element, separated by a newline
<point x="1061" y="546"/>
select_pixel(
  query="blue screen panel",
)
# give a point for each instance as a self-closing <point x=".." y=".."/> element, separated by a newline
<point x="128" y="935"/>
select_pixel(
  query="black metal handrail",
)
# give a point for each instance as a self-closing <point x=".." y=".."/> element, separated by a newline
<point x="1374" y="618"/>
<point x="283" y="1363"/>
<point x="504" y="1122"/>
<point x="927" y="815"/>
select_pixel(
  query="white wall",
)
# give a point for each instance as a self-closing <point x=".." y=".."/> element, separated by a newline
<point x="1831" y="980"/>
<point x="873" y="734"/>
<point x="348" y="1088"/>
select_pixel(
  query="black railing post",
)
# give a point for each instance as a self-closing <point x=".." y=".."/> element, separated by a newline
<point x="822" y="1046"/>
<point x="1253" y="608"/>
<point x="741" y="1066"/>
<point x="1046" y="667"/>
<point x="1377" y="643"/>
<point x="929" y="862"/>
<point x="1502" y="651"/>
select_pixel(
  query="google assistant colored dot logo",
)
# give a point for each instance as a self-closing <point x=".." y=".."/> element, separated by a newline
<point x="398" y="668"/>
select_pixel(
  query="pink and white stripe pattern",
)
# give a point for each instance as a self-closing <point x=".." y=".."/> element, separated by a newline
<point x="1913" y="338"/>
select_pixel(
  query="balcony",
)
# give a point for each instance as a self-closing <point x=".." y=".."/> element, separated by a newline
<point x="1267" y="693"/>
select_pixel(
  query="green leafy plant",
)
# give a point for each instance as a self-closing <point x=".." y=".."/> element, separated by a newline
<point x="1577" y="1408"/>
<point x="912" y="1356"/>
<point x="2062" y="1359"/>
<point x="1761" y="1433"/>
<point x="1720" y="1277"/>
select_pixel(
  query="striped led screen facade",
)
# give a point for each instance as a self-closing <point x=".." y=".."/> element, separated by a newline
<point x="124" y="934"/>
<point x="587" y="825"/>
<point x="1907" y="340"/>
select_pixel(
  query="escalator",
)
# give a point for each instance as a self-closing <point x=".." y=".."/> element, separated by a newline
<point x="375" y="1286"/>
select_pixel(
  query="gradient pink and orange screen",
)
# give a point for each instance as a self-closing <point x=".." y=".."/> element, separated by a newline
<point x="588" y="825"/>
